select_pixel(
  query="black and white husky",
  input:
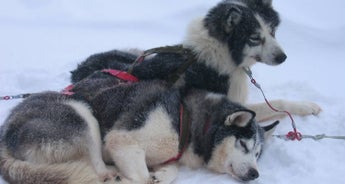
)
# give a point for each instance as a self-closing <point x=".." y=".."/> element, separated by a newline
<point x="234" y="35"/>
<point x="145" y="128"/>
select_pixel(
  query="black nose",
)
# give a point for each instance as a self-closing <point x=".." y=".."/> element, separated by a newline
<point x="251" y="175"/>
<point x="280" y="58"/>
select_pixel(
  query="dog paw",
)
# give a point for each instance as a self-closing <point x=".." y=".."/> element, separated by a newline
<point x="119" y="179"/>
<point x="107" y="175"/>
<point x="164" y="175"/>
<point x="154" y="180"/>
<point x="306" y="108"/>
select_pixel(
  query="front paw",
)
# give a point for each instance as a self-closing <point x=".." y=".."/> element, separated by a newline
<point x="307" y="108"/>
<point x="154" y="180"/>
<point x="107" y="175"/>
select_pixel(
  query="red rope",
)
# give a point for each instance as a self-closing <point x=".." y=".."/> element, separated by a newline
<point x="6" y="98"/>
<point x="292" y="135"/>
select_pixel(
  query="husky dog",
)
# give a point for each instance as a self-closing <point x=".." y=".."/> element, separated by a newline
<point x="52" y="138"/>
<point x="233" y="35"/>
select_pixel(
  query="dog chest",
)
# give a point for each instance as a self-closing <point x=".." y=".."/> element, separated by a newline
<point x="157" y="137"/>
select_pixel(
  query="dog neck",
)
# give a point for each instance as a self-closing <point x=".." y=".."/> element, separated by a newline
<point x="199" y="104"/>
<point x="209" y="50"/>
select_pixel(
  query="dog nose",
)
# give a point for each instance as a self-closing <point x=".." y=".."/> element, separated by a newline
<point x="252" y="174"/>
<point x="280" y="58"/>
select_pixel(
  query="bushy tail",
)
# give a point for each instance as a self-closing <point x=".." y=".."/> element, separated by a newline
<point x="23" y="172"/>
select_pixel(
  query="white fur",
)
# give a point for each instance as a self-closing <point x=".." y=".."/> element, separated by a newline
<point x="225" y="158"/>
<point x="240" y="118"/>
<point x="239" y="3"/>
<point x="94" y="141"/>
<point x="238" y="91"/>
<point x="271" y="46"/>
<point x="150" y="145"/>
<point x="210" y="50"/>
<point x="214" y="96"/>
<point x="162" y="136"/>
<point x="190" y="159"/>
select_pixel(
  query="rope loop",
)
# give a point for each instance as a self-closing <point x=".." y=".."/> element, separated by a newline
<point x="294" y="135"/>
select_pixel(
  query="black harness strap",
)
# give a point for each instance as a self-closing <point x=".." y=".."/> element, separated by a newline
<point x="177" y="49"/>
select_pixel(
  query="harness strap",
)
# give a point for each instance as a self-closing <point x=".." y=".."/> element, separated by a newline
<point x="177" y="49"/>
<point x="125" y="76"/>
<point x="184" y="135"/>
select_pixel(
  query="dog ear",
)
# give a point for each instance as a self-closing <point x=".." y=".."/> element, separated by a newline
<point x="234" y="17"/>
<point x="255" y="3"/>
<point x="239" y="118"/>
<point x="269" y="129"/>
<point x="267" y="2"/>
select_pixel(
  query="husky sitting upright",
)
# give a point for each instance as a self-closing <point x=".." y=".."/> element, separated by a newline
<point x="234" y="35"/>
<point x="51" y="138"/>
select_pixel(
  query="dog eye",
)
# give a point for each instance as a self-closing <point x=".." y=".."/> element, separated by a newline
<point x="257" y="155"/>
<point x="244" y="146"/>
<point x="255" y="39"/>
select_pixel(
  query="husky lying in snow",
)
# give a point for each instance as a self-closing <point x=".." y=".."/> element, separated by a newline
<point x="233" y="35"/>
<point x="54" y="138"/>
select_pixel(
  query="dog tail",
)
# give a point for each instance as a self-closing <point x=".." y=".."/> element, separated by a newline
<point x="23" y="172"/>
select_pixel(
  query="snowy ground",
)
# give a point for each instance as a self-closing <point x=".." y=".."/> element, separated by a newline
<point x="41" y="41"/>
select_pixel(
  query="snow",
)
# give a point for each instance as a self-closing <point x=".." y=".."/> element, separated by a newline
<point x="41" y="41"/>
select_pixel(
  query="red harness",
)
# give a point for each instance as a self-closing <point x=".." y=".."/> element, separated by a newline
<point x="124" y="76"/>
<point x="183" y="137"/>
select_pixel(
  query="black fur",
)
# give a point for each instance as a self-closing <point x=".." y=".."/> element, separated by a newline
<point x="112" y="59"/>
<point x="29" y="121"/>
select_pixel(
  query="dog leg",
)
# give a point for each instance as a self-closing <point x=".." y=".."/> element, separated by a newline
<point x="128" y="156"/>
<point x="165" y="174"/>
<point x="95" y="152"/>
<point x="94" y="142"/>
<point x="301" y="108"/>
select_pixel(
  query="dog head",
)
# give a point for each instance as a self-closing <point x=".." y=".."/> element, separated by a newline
<point x="247" y="28"/>
<point x="238" y="144"/>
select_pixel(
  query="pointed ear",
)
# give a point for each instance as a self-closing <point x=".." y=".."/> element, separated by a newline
<point x="267" y="2"/>
<point x="239" y="118"/>
<point x="234" y="17"/>
<point x="269" y="130"/>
